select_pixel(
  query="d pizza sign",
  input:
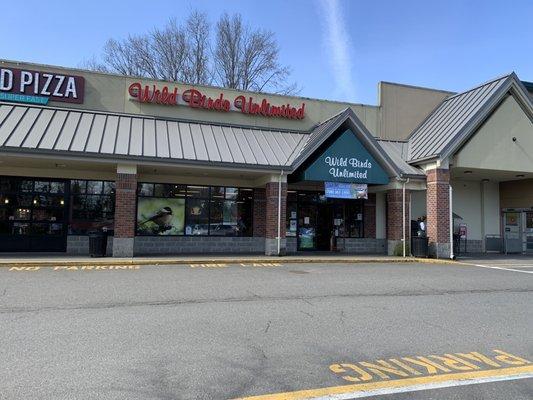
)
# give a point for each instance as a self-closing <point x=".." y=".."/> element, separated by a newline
<point x="40" y="87"/>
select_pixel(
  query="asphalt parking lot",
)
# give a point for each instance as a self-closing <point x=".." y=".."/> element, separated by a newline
<point x="267" y="330"/>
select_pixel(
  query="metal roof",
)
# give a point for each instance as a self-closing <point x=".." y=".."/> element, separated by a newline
<point x="397" y="152"/>
<point x="457" y="117"/>
<point x="28" y="127"/>
<point x="60" y="131"/>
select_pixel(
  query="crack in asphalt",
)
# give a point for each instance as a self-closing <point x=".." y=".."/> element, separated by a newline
<point x="254" y="298"/>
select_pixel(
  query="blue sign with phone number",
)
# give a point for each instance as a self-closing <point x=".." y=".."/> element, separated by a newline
<point x="338" y="190"/>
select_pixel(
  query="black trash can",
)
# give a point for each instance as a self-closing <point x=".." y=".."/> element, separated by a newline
<point x="97" y="244"/>
<point x="419" y="246"/>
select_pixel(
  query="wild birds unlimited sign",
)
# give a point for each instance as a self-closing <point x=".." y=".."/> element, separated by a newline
<point x="344" y="160"/>
<point x="194" y="98"/>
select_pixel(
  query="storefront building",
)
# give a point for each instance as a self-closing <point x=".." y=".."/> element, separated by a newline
<point x="167" y="168"/>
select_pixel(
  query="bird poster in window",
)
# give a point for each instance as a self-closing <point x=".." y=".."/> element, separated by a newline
<point x="160" y="216"/>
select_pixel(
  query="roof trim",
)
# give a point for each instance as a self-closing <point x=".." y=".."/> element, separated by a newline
<point x="515" y="88"/>
<point x="349" y="117"/>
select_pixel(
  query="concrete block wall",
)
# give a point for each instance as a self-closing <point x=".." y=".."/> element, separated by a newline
<point x="79" y="245"/>
<point x="176" y="245"/>
<point x="363" y="245"/>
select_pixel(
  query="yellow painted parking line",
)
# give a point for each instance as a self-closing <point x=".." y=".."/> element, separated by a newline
<point x="76" y="268"/>
<point x="399" y="375"/>
<point x="245" y="265"/>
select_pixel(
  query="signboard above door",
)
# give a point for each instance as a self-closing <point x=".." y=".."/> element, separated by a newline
<point x="339" y="190"/>
<point x="343" y="160"/>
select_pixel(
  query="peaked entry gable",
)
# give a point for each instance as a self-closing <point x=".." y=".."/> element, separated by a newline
<point x="354" y="142"/>
<point x="343" y="159"/>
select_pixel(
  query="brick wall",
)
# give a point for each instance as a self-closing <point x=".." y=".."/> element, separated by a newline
<point x="259" y="213"/>
<point x="369" y="215"/>
<point x="125" y="205"/>
<point x="438" y="205"/>
<point x="271" y="212"/>
<point x="394" y="214"/>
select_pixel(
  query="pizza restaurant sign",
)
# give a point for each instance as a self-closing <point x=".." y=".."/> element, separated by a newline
<point x="194" y="98"/>
<point x="26" y="86"/>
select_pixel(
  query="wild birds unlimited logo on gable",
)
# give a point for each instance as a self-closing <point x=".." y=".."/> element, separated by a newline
<point x="194" y="98"/>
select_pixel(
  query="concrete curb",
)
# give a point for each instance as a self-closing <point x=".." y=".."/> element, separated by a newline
<point x="184" y="261"/>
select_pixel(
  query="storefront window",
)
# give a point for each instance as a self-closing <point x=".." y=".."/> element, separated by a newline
<point x="92" y="206"/>
<point x="354" y="218"/>
<point x="32" y="207"/>
<point x="165" y="209"/>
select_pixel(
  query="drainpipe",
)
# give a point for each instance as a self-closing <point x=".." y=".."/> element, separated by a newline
<point x="452" y="256"/>
<point x="404" y="182"/>
<point x="279" y="213"/>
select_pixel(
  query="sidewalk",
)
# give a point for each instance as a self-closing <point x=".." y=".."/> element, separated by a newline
<point x="43" y="259"/>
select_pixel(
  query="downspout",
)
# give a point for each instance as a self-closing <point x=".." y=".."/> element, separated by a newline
<point x="452" y="256"/>
<point x="404" y="182"/>
<point x="279" y="213"/>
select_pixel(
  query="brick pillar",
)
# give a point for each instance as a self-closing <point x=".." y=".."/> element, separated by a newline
<point x="438" y="212"/>
<point x="394" y="220"/>
<point x="259" y="213"/>
<point x="369" y="216"/>
<point x="271" y="218"/>
<point x="125" y="205"/>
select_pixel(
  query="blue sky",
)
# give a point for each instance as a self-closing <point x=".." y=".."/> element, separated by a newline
<point x="337" y="50"/>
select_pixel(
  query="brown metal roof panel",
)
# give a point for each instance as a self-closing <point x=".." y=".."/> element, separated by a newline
<point x="247" y="152"/>
<point x="161" y="138"/>
<point x="11" y="122"/>
<point x="5" y="110"/>
<point x="257" y="148"/>
<point x="20" y="132"/>
<point x="200" y="147"/>
<point x="174" y="140"/>
<point x="96" y="133"/>
<point x="222" y="144"/>
<point x="49" y="138"/>
<point x="68" y="132"/>
<point x="122" y="144"/>
<point x="234" y="147"/>
<point x="210" y="143"/>
<point x="149" y="144"/>
<point x="270" y="154"/>
<point x="136" y="137"/>
<point x="110" y="135"/>
<point x="38" y="129"/>
<point x="186" y="141"/>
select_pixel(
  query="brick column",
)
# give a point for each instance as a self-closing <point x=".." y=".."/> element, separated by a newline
<point x="271" y="218"/>
<point x="394" y="220"/>
<point x="369" y="216"/>
<point x="125" y="206"/>
<point x="438" y="212"/>
<point x="259" y="213"/>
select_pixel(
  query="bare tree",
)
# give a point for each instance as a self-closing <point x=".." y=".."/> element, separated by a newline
<point x="248" y="59"/>
<point x="227" y="56"/>
<point x="242" y="58"/>
<point x="197" y="70"/>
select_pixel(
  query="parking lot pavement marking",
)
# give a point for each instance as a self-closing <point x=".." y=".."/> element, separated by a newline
<point x="501" y="268"/>
<point x="76" y="268"/>
<point x="402" y="374"/>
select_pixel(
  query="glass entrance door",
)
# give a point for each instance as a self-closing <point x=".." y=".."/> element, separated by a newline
<point x="307" y="227"/>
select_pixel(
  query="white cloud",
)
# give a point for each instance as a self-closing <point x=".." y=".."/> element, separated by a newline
<point x="337" y="41"/>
